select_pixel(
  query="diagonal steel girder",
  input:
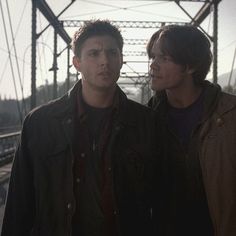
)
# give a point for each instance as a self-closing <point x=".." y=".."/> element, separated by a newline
<point x="53" y="20"/>
<point x="203" y="12"/>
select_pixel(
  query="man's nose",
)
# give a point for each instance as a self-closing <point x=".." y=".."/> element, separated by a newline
<point x="104" y="58"/>
<point x="154" y="64"/>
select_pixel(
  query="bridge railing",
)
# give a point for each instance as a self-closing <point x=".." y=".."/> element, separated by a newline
<point x="8" y="143"/>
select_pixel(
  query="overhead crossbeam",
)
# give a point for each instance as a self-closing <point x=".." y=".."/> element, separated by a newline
<point x="135" y="41"/>
<point x="135" y="53"/>
<point x="125" y="24"/>
<point x="172" y="0"/>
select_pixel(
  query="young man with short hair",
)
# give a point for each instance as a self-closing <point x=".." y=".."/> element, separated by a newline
<point x="83" y="166"/>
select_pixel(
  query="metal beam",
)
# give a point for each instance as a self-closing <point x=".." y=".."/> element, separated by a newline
<point x="58" y="26"/>
<point x="203" y="12"/>
<point x="33" y="55"/>
<point x="52" y="19"/>
<point x="135" y="54"/>
<point x="125" y="24"/>
<point x="170" y="0"/>
<point x="215" y="41"/>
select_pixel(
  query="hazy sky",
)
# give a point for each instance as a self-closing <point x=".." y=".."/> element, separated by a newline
<point x="20" y="27"/>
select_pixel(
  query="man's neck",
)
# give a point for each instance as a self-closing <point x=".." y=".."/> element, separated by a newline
<point x="98" y="98"/>
<point x="182" y="98"/>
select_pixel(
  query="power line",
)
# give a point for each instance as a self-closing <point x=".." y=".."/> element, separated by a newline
<point x="17" y="30"/>
<point x="42" y="53"/>
<point x="130" y="8"/>
<point x="232" y="68"/>
<point x="96" y="12"/>
<point x="11" y="64"/>
<point x="17" y="63"/>
<point x="228" y="45"/>
<point x="134" y="6"/>
<point x="6" y="63"/>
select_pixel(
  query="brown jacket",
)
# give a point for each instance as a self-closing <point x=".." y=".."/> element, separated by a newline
<point x="215" y="145"/>
<point x="218" y="164"/>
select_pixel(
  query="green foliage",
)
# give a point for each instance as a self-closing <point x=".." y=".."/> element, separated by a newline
<point x="9" y="115"/>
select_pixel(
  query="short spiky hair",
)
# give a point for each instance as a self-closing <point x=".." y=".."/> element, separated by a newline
<point x="95" y="28"/>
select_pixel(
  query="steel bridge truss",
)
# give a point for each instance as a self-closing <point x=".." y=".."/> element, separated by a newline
<point x="132" y="78"/>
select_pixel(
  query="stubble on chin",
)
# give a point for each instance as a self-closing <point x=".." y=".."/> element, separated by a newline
<point x="155" y="86"/>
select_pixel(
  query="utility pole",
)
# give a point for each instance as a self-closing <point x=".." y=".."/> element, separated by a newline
<point x="44" y="8"/>
<point x="68" y="68"/>
<point x="215" y="41"/>
<point x="54" y="67"/>
<point x="33" y="56"/>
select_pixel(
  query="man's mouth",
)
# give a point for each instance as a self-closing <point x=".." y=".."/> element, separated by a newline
<point x="105" y="73"/>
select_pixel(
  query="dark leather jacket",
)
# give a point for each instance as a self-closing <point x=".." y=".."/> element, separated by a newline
<point x="40" y="198"/>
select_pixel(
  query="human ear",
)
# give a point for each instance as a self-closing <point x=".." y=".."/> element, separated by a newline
<point x="190" y="70"/>
<point x="76" y="63"/>
<point x="121" y="61"/>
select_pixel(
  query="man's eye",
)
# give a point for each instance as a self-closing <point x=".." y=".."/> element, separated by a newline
<point x="151" y="58"/>
<point x="113" y="52"/>
<point x="161" y="58"/>
<point x="94" y="53"/>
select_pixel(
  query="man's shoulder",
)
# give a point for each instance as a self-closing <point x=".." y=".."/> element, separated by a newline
<point x="57" y="106"/>
<point x="227" y="102"/>
<point x="46" y="111"/>
<point x="138" y="107"/>
<point x="228" y="98"/>
<point x="46" y="108"/>
<point x="139" y="114"/>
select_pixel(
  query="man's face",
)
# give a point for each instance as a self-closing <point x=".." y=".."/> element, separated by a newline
<point x="165" y="73"/>
<point x="100" y="62"/>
